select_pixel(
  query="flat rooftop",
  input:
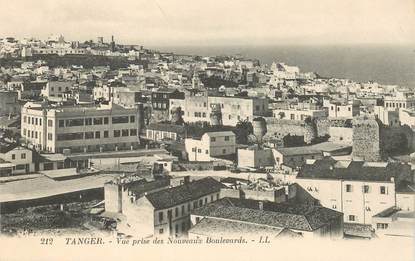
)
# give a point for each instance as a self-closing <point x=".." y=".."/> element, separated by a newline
<point x="42" y="187"/>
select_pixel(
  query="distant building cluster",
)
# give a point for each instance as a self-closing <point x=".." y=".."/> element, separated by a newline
<point x="204" y="146"/>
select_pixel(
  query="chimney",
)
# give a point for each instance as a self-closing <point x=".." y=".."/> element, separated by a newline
<point x="261" y="205"/>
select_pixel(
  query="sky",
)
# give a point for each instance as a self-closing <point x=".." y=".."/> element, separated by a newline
<point x="214" y="22"/>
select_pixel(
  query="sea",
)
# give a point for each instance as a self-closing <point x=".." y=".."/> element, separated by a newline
<point x="394" y="65"/>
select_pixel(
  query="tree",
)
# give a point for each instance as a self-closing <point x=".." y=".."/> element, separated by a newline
<point x="242" y="130"/>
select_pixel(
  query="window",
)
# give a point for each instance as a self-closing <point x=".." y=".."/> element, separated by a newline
<point x="211" y="197"/>
<point x="40" y="122"/>
<point x="348" y="188"/>
<point x="177" y="228"/>
<point x="23" y="155"/>
<point x="119" y="119"/>
<point x="133" y="132"/>
<point x="382" y="225"/>
<point x="24" y="132"/>
<point x="352" y="218"/>
<point x="205" y="200"/>
<point x="193" y="149"/>
<point x="74" y="122"/>
<point x="183" y="227"/>
<point x="195" y="204"/>
<point x="36" y="121"/>
<point x="61" y="123"/>
<point x="97" y="135"/>
<point x="97" y="121"/>
<point x="366" y="189"/>
<point x="132" y="119"/>
<point x="226" y="138"/>
<point x="89" y="135"/>
<point x="197" y="219"/>
<point x="176" y="212"/>
<point x="183" y="210"/>
<point x="88" y="121"/>
<point x="117" y="133"/>
<point x="24" y="119"/>
<point x="199" y="151"/>
<point x="35" y="134"/>
<point x="161" y="216"/>
<point x="105" y="134"/>
<point x="50" y="123"/>
<point x="207" y="151"/>
<point x="124" y="133"/>
<point x="382" y="190"/>
<point x="213" y="139"/>
<point x="50" y="136"/>
<point x="106" y="121"/>
<point x="224" y="151"/>
<point x="13" y="157"/>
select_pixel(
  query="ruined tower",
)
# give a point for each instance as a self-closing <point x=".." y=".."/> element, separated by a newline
<point x="367" y="139"/>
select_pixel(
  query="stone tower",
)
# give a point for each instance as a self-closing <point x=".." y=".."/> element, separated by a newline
<point x="367" y="139"/>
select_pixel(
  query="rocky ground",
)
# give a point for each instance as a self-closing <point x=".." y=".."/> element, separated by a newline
<point x="50" y="219"/>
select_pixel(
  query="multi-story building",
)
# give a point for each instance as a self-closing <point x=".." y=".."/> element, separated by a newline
<point x="81" y="128"/>
<point x="358" y="189"/>
<point x="160" y="99"/>
<point x="157" y="210"/>
<point x="346" y="110"/>
<point x="210" y="145"/>
<point x="401" y="99"/>
<point x="198" y="106"/>
<point x="55" y="90"/>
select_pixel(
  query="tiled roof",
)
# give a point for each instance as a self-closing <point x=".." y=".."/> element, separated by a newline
<point x="181" y="194"/>
<point x="326" y="168"/>
<point x="291" y="216"/>
<point x="215" y="227"/>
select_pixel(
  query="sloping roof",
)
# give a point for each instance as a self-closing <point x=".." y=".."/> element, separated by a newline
<point x="6" y="147"/>
<point x="181" y="194"/>
<point x="405" y="187"/>
<point x="215" y="227"/>
<point x="356" y="170"/>
<point x="291" y="216"/>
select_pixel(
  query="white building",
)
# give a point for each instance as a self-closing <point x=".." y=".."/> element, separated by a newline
<point x="198" y="106"/>
<point x="19" y="157"/>
<point x="81" y="128"/>
<point x="342" y="110"/>
<point x="358" y="189"/>
<point x="210" y="145"/>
